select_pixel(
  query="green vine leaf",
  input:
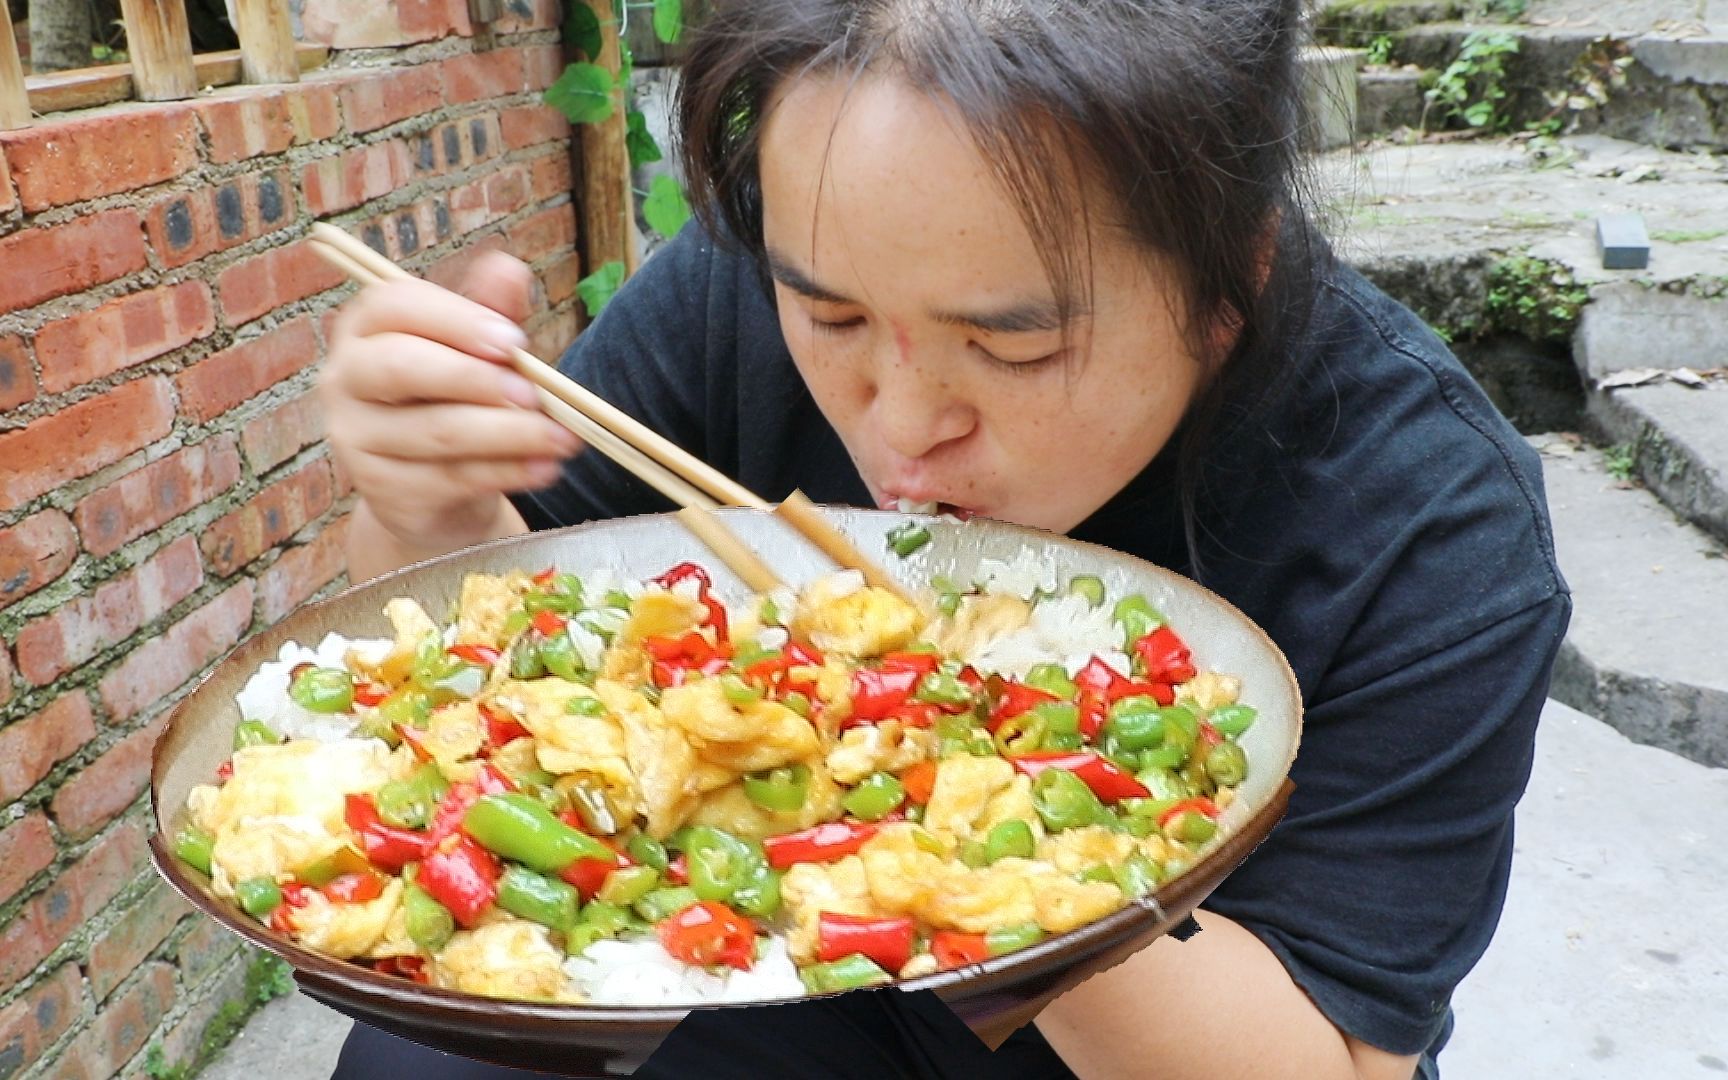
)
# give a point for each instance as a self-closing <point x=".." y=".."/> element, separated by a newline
<point x="639" y="141"/>
<point x="582" y="29"/>
<point x="598" y="288"/>
<point x="665" y="209"/>
<point x="583" y="93"/>
<point x="668" y="20"/>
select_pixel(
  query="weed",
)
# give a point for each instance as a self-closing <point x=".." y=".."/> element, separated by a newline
<point x="1380" y="50"/>
<point x="1620" y="460"/>
<point x="1503" y="11"/>
<point x="1472" y="88"/>
<point x="1684" y="236"/>
<point x="1533" y="297"/>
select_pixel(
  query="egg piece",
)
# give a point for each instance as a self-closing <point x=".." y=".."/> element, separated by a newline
<point x="1064" y="904"/>
<point x="1072" y="851"/>
<point x="978" y="900"/>
<point x="979" y="621"/>
<point x="486" y="603"/>
<point x="505" y="959"/>
<point x="730" y="809"/>
<point x="962" y="792"/>
<point x="749" y="737"/>
<point x="345" y="930"/>
<point x="884" y="747"/>
<point x="301" y="778"/>
<point x="659" y="756"/>
<point x="274" y="846"/>
<point x="868" y="621"/>
<point x="1209" y="690"/>
<point x="661" y="613"/>
<point x="568" y="742"/>
<point x="453" y="733"/>
<point x="809" y="889"/>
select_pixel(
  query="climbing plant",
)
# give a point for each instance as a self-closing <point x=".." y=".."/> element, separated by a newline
<point x="1472" y="88"/>
<point x="588" y="93"/>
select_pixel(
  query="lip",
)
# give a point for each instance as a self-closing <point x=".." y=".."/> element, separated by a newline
<point x="889" y="500"/>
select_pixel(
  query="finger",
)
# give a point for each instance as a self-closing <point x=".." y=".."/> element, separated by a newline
<point x="456" y="432"/>
<point x="415" y="488"/>
<point x="402" y="368"/>
<point x="501" y="282"/>
<point x="422" y="309"/>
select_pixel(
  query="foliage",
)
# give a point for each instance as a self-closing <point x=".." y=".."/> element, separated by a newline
<point x="1503" y="11"/>
<point x="1621" y="459"/>
<point x="267" y="978"/>
<point x="1473" y="86"/>
<point x="583" y="93"/>
<point x="1380" y="50"/>
<point x="598" y="288"/>
<point x="1687" y="236"/>
<point x="1599" y="70"/>
<point x="639" y="141"/>
<point x="665" y="207"/>
<point x="1533" y="297"/>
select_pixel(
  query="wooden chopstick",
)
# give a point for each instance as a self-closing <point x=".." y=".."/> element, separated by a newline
<point x="659" y="462"/>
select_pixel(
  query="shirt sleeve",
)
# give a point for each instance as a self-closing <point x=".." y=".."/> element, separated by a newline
<point x="1382" y="886"/>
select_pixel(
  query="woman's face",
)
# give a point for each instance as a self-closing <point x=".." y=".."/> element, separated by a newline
<point x="918" y="311"/>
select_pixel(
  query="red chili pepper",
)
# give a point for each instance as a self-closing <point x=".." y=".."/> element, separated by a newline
<point x="1209" y="735"/>
<point x="1108" y="780"/>
<point x="545" y="576"/>
<point x="970" y="679"/>
<point x="772" y="673"/>
<point x="589" y="874"/>
<point x="448" y="818"/>
<point x="919" y="714"/>
<point x="501" y="727"/>
<point x="878" y="692"/>
<point x="1097" y="675"/>
<point x="822" y="843"/>
<point x="922" y="662"/>
<point x="548" y="623"/>
<point x="919" y="781"/>
<point x="1165" y="656"/>
<point x="886" y="940"/>
<point x="1201" y="805"/>
<point x="406" y="967"/>
<point x="716" y="610"/>
<point x="294" y="896"/>
<point x="482" y="655"/>
<point x="1094" y="710"/>
<point x="706" y="933"/>
<point x="463" y="877"/>
<point x="416" y="740"/>
<point x="953" y="949"/>
<point x="386" y="846"/>
<point x="1017" y="698"/>
<point x="225" y="772"/>
<point x="1162" y="693"/>
<point x="369" y="693"/>
<point x="678" y="870"/>
<point x="354" y="889"/>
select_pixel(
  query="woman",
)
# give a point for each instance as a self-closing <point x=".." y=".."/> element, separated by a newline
<point x="1045" y="262"/>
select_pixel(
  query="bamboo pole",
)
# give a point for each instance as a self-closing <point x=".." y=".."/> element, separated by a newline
<point x="266" y="41"/>
<point x="160" y="44"/>
<point x="14" y="102"/>
<point x="606" y="201"/>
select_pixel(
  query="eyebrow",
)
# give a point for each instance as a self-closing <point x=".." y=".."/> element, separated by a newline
<point x="1018" y="318"/>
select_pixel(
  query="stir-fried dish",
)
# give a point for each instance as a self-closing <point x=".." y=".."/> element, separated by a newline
<point x="573" y="779"/>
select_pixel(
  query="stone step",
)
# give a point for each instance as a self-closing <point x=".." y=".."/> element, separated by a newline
<point x="1644" y="652"/>
<point x="1677" y="438"/>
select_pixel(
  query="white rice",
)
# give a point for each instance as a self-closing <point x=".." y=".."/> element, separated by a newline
<point x="641" y="972"/>
<point x="265" y="695"/>
<point x="1067" y="627"/>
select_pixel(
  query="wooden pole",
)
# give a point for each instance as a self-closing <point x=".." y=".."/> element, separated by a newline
<point x="606" y="205"/>
<point x="160" y="44"/>
<point x="14" y="102"/>
<point x="266" y="41"/>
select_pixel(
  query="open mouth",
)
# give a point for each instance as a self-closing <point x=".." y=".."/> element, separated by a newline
<point x="911" y="506"/>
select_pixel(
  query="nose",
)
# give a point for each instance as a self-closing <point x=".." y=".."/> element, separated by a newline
<point x="916" y="407"/>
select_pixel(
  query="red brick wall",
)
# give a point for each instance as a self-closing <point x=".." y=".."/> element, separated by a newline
<point x="164" y="487"/>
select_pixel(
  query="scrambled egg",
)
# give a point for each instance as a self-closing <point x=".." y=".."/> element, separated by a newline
<point x="963" y="790"/>
<point x="978" y="621"/>
<point x="349" y="930"/>
<point x="867" y="622"/>
<point x="1209" y="690"/>
<point x="487" y="601"/>
<point x="660" y="613"/>
<point x="505" y="959"/>
<point x="809" y="889"/>
<point x="1073" y="851"/>
<point x="453" y="734"/>
<point x="730" y="809"/>
<point x="744" y="738"/>
<point x="659" y="756"/>
<point x="569" y="742"/>
<point x="411" y="625"/>
<point x="883" y="747"/>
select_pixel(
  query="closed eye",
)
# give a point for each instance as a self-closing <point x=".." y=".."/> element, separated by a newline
<point x="834" y="326"/>
<point x="1020" y="367"/>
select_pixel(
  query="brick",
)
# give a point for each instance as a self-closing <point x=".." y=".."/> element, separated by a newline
<point x="241" y="127"/>
<point x="550" y="176"/>
<point x="553" y="333"/>
<point x="5" y="680"/>
<point x="530" y="125"/>
<point x="372" y="103"/>
<point x="351" y="24"/>
<point x="475" y="76"/>
<point x="70" y="901"/>
<point x="544" y="233"/>
<point x="33" y="553"/>
<point x="69" y="161"/>
<point x="135" y="936"/>
<point x="82" y="438"/>
<point x="32" y="746"/>
<point x="73" y="633"/>
<point x="452" y="271"/>
<point x="7" y="199"/>
<point x="163" y="664"/>
<point x="346" y="180"/>
<point x="559" y="277"/>
<point x="266" y="282"/>
<point x="85" y="347"/>
<point x="301" y="572"/>
<point x="315" y="112"/>
<point x="120" y="1030"/>
<point x="506" y="191"/>
<point x="69" y="258"/>
<point x="17" y="377"/>
<point x="542" y="64"/>
<point x="273" y="437"/>
<point x="520" y="15"/>
<point x="428" y="20"/>
<point x="221" y="381"/>
<point x="107" y="786"/>
<point x="218" y="986"/>
<point x="33" y="1022"/>
<point x="189" y="225"/>
<point x="26" y="849"/>
<point x="150" y="497"/>
<point x="273" y="515"/>
<point x="204" y="948"/>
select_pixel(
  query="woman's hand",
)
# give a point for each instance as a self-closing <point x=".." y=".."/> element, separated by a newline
<point x="423" y="411"/>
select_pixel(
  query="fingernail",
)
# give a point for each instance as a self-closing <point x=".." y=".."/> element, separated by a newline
<point x="502" y="335"/>
<point x="517" y="390"/>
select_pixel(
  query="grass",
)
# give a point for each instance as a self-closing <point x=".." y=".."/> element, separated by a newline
<point x="267" y="978"/>
<point x="1620" y="460"/>
<point x="1687" y="236"/>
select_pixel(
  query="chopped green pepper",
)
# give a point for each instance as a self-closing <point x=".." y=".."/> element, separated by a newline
<point x="323" y="690"/>
<point x="1019" y="734"/>
<point x="1088" y="586"/>
<point x="798" y="702"/>
<point x="737" y="691"/>
<point x="1135" y="723"/>
<point x="429" y="923"/>
<point x="665" y="902"/>
<point x="258" y="896"/>
<point x="628" y="884"/>
<point x="410" y="803"/>
<point x="1163" y="784"/>
<point x="1007" y="939"/>
<point x="648" y="851"/>
<point x="594" y="806"/>
<point x="1137" y="875"/>
<point x="948" y="603"/>
<point x="537" y="898"/>
<point x="719" y="863"/>
<point x="558" y="653"/>
<point x="760" y="895"/>
<point x="609" y="918"/>
<point x="1226" y="764"/>
<point x="1009" y="838"/>
<point x="942" y="688"/>
<point x="907" y="537"/>
<point x="193" y="846"/>
<point x="581" y="936"/>
<point x="407" y="706"/>
<point x="851" y="972"/>
<point x="973" y="854"/>
<point x="875" y="797"/>
<point x="525" y="660"/>
<point x="1137" y="617"/>
<point x="783" y="789"/>
<point x="254" y="733"/>
<point x="1232" y="720"/>
<point x="1063" y="801"/>
<point x="517" y="827"/>
<point x="1191" y="827"/>
<point x="1052" y="679"/>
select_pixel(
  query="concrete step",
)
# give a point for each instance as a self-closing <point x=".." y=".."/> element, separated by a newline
<point x="1650" y="595"/>
<point x="1678" y="439"/>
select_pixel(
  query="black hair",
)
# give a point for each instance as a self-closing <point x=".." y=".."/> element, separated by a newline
<point x="1185" y="114"/>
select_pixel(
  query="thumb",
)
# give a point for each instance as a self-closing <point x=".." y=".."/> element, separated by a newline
<point x="502" y="282"/>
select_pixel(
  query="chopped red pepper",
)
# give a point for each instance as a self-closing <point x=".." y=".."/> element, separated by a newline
<point x="675" y="658"/>
<point x="886" y="940"/>
<point x="501" y="727"/>
<point x="716" y="610"/>
<point x="407" y="967"/>
<point x="386" y="846"/>
<point x="953" y="949"/>
<point x="548" y="623"/>
<point x="1162" y="693"/>
<point x="1108" y="780"/>
<point x="1094" y="710"/>
<point x="1165" y="656"/>
<point x="448" y="818"/>
<point x="589" y="874"/>
<point x="919" y="714"/>
<point x="821" y="843"/>
<point x="877" y="692"/>
<point x="1209" y="735"/>
<point x="354" y="889"/>
<point x="481" y="655"/>
<point x="708" y="932"/>
<point x="463" y="876"/>
<point x="773" y="673"/>
<point x="1016" y="698"/>
<point x="369" y="693"/>
<point x="545" y="576"/>
<point x="922" y="662"/>
<point x="678" y="870"/>
<point x="919" y="781"/>
<point x="225" y="771"/>
<point x="1097" y="675"/>
<point x="1201" y="805"/>
<point x="416" y="740"/>
<point x="294" y="896"/>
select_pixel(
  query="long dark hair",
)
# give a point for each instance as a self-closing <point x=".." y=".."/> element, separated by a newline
<point x="1186" y="113"/>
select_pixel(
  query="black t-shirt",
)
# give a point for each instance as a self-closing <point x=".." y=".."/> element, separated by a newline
<point x="1384" y="525"/>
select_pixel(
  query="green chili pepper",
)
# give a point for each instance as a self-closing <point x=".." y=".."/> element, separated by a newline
<point x="875" y="797"/>
<point x="1058" y="716"/>
<point x="1137" y="617"/>
<point x="1007" y="939"/>
<point x="525" y="659"/>
<point x="1019" y="734"/>
<point x="1139" y="827"/>
<point x="769" y="613"/>
<point x="582" y="935"/>
<point x="907" y="537"/>
<point x="1181" y="726"/>
<point x="1052" y="679"/>
<point x="258" y="896"/>
<point x="628" y="884"/>
<point x="972" y="853"/>
<point x="323" y="690"/>
<point x="448" y="678"/>
<point x="609" y="918"/>
<point x="719" y="863"/>
<point x="851" y="972"/>
<point x="737" y="691"/>
<point x="1191" y="827"/>
<point x="515" y="622"/>
<point x="1064" y="801"/>
<point x="1138" y="875"/>
<point x="254" y="733"/>
<point x="798" y="703"/>
<point x="665" y="902"/>
<point x="429" y="923"/>
<point x="1226" y="764"/>
<point x="617" y="598"/>
<point x="406" y="706"/>
<point x="1163" y="784"/>
<point x="1135" y="723"/>
<point x="563" y="595"/>
<point x="760" y="895"/>
<point x="781" y="789"/>
<point x="594" y="806"/>
<point x="1098" y="872"/>
<point x="193" y="846"/>
<point x="1232" y="720"/>
<point x="942" y="688"/>
<point x="1010" y="838"/>
<point x="410" y="803"/>
<point x="515" y="826"/>
<point x="1163" y="757"/>
<point x="1088" y="586"/>
<point x="558" y="653"/>
<point x="948" y="603"/>
<point x="586" y="706"/>
<point x="537" y="898"/>
<point x="648" y="851"/>
<point x="1063" y="740"/>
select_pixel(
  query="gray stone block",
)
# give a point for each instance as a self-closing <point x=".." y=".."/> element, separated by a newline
<point x="1622" y="242"/>
<point x="1387" y="101"/>
<point x="1329" y="96"/>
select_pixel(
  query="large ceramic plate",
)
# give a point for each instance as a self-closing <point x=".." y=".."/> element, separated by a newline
<point x="993" y="998"/>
